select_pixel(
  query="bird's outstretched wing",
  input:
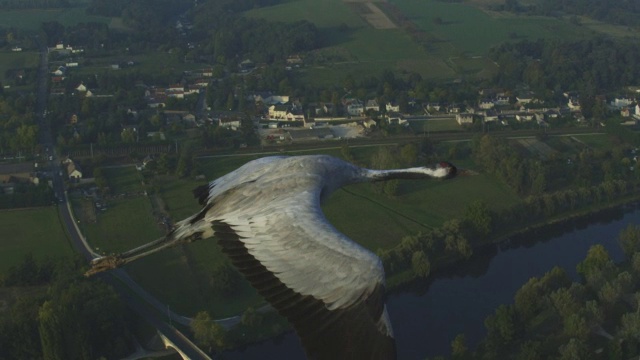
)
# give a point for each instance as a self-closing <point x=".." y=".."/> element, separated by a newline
<point x="328" y="287"/>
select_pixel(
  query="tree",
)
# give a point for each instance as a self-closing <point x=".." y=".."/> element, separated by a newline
<point x="459" y="347"/>
<point x="420" y="264"/>
<point x="207" y="332"/>
<point x="224" y="279"/>
<point x="575" y="350"/>
<point x="629" y="240"/>
<point x="597" y="266"/>
<point x="251" y="317"/>
<point x="501" y="325"/>
<point x="479" y="218"/>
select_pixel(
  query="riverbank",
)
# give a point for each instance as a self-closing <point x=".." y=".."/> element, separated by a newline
<point x="399" y="280"/>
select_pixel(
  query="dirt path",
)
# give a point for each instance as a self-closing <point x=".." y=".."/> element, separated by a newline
<point x="371" y="13"/>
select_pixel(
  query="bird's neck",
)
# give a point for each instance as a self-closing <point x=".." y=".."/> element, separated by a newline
<point x="409" y="173"/>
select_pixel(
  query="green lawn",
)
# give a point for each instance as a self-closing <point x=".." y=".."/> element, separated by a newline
<point x="37" y="231"/>
<point x="435" y="125"/>
<point x="124" y="179"/>
<point x="127" y="223"/>
<point x="595" y="140"/>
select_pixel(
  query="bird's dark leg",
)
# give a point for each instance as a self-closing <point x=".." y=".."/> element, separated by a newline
<point x="113" y="261"/>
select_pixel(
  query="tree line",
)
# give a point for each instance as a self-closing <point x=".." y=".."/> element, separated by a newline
<point x="614" y="12"/>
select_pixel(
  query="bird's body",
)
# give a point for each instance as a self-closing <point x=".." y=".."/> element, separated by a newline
<point x="266" y="216"/>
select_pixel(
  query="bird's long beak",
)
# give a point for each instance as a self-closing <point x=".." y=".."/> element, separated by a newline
<point x="109" y="262"/>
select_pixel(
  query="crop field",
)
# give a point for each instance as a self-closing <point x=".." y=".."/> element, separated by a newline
<point x="37" y="231"/>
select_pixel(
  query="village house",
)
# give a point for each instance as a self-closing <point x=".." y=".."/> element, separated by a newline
<point x="392" y="107"/>
<point x="396" y="118"/>
<point x="372" y="104"/>
<point x="522" y="117"/>
<point x="486" y="104"/>
<point x="490" y="116"/>
<point x="13" y="174"/>
<point x="573" y="104"/>
<point x="73" y="169"/>
<point x="278" y="111"/>
<point x="464" y="118"/>
<point x="621" y="102"/>
<point x="501" y="100"/>
<point x="524" y="98"/>
<point x="354" y="107"/>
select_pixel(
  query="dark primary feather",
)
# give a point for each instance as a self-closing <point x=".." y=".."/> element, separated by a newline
<point x="350" y="333"/>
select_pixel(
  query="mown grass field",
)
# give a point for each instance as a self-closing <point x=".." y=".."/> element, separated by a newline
<point x="37" y="231"/>
<point x="435" y="125"/>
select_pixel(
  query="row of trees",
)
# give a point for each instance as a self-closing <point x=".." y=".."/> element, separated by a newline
<point x="617" y="12"/>
<point x="66" y="317"/>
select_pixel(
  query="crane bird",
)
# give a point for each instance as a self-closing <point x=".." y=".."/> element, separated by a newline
<point x="266" y="216"/>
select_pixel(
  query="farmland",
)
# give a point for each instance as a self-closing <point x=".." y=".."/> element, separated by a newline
<point x="460" y="35"/>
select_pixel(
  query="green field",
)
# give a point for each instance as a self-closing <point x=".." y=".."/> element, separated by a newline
<point x="124" y="179"/>
<point x="457" y="46"/>
<point x="126" y="224"/>
<point x="37" y="231"/>
<point x="435" y="125"/>
<point x="33" y="19"/>
<point x="10" y="60"/>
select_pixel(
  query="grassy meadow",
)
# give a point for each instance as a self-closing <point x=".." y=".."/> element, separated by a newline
<point x="127" y="223"/>
<point x="37" y="231"/>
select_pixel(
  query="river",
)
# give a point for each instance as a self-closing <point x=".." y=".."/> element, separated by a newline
<point x="427" y="315"/>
